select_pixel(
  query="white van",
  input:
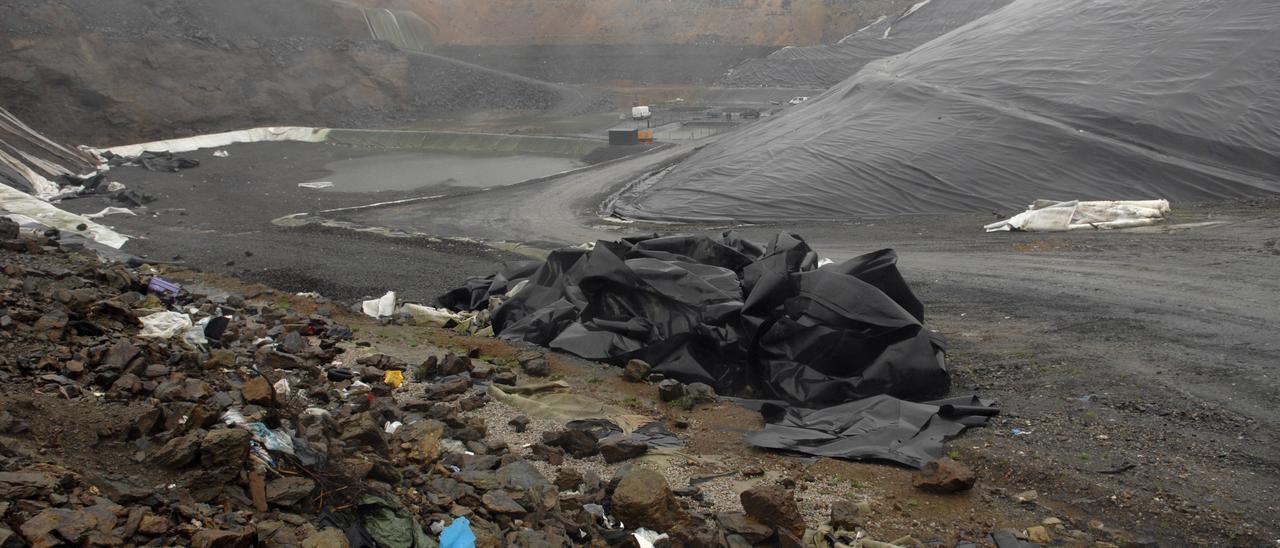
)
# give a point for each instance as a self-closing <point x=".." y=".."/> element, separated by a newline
<point x="640" y="113"/>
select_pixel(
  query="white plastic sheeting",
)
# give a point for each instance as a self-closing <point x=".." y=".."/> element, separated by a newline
<point x="217" y="140"/>
<point x="381" y="307"/>
<point x="1051" y="216"/>
<point x="24" y="206"/>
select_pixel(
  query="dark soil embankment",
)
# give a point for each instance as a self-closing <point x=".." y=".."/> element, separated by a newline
<point x="108" y="72"/>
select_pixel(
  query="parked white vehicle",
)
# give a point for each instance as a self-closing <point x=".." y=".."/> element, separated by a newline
<point x="797" y="100"/>
<point x="640" y="113"/>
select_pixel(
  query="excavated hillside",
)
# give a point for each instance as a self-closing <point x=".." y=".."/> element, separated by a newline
<point x="562" y="22"/>
<point x="113" y="71"/>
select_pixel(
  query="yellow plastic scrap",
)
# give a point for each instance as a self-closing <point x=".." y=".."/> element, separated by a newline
<point x="393" y="378"/>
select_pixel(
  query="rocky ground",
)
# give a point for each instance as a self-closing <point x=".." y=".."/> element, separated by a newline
<point x="299" y="422"/>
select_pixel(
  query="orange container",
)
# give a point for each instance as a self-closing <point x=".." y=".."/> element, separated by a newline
<point x="646" y="136"/>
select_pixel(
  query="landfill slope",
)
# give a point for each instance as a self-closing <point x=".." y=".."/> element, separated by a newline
<point x="1078" y="99"/>
<point x="113" y="71"/>
<point x="823" y="66"/>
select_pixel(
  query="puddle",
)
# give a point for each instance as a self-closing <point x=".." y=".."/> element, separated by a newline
<point x="415" y="170"/>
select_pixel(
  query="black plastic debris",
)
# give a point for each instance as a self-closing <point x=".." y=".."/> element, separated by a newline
<point x="154" y="161"/>
<point x="761" y="322"/>
<point x="876" y="428"/>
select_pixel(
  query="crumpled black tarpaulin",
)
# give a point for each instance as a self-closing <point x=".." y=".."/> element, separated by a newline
<point x="752" y="321"/>
<point x="875" y="428"/>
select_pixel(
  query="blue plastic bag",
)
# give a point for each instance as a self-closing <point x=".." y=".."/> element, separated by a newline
<point x="458" y="535"/>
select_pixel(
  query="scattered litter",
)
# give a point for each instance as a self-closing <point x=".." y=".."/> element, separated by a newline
<point x="393" y="378"/>
<point x="428" y="315"/>
<point x="381" y="307"/>
<point x="458" y="534"/>
<point x="316" y="185"/>
<point x="111" y="211"/>
<point x="166" y="290"/>
<point x="1051" y="216"/>
<point x="221" y="154"/>
<point x="115" y="186"/>
<point x="272" y="440"/>
<point x="647" y="538"/>
<point x="164" y="325"/>
<point x="1019" y="432"/>
<point x="391" y="426"/>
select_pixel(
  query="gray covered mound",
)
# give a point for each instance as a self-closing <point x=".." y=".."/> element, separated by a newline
<point x="826" y="65"/>
<point x="1073" y="99"/>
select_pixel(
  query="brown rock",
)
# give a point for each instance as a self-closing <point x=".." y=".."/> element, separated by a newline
<point x="500" y="501"/>
<point x="228" y="447"/>
<point x="740" y="524"/>
<point x="636" y="371"/>
<point x="944" y="476"/>
<point x="423" y="438"/>
<point x="847" y="515"/>
<point x="643" y="499"/>
<point x="622" y="448"/>
<point x="773" y="506"/>
<point x="288" y="491"/>
<point x="217" y="538"/>
<point x="177" y="453"/>
<point x="578" y="443"/>
<point x="257" y="391"/>
<point x="327" y="538"/>
<point x="154" y="525"/>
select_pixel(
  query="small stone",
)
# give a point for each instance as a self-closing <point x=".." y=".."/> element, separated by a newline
<point x="289" y="490"/>
<point x="536" y="367"/>
<point x="643" y="499"/>
<point x="481" y="370"/>
<point x="620" y="448"/>
<point x="505" y="378"/>
<point x="944" y="475"/>
<point x="217" y="538"/>
<point x="847" y="515"/>
<point x="453" y="364"/>
<point x="701" y="393"/>
<point x="228" y="447"/>
<point x="177" y="453"/>
<point x="670" y="390"/>
<point x="752" y="472"/>
<point x="153" y="525"/>
<point x="1051" y="522"/>
<point x="740" y="524"/>
<point x="327" y="538"/>
<point x="257" y="391"/>
<point x="773" y="506"/>
<point x="1038" y="535"/>
<point x="500" y="501"/>
<point x="1026" y="497"/>
<point x="568" y="479"/>
<point x="519" y="423"/>
<point x="578" y="443"/>
<point x="636" y="371"/>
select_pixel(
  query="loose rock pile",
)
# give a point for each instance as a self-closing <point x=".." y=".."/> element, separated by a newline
<point x="253" y="425"/>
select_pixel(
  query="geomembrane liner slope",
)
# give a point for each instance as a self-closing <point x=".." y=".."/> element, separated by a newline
<point x="1059" y="99"/>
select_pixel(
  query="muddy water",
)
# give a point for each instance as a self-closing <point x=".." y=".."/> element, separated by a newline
<point x="415" y="170"/>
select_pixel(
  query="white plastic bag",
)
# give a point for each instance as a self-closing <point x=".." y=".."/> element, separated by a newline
<point x="164" y="325"/>
<point x="381" y="307"/>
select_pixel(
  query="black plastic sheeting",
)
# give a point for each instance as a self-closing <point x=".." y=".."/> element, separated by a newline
<point x="876" y="428"/>
<point x="762" y="322"/>
<point x="1058" y="99"/>
<point x="826" y="65"/>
